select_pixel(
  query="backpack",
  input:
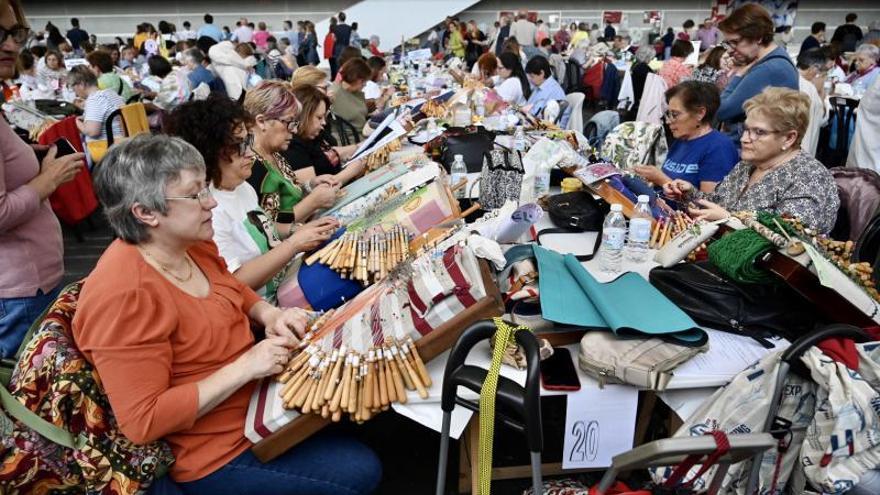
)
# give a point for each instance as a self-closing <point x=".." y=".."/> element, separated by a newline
<point x="58" y="432"/>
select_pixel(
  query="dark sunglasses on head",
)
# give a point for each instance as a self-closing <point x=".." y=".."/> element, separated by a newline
<point x="19" y="33"/>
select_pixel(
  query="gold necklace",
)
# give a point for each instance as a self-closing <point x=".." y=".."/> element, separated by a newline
<point x="165" y="269"/>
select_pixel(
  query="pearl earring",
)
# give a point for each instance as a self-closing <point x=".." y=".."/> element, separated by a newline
<point x="785" y="148"/>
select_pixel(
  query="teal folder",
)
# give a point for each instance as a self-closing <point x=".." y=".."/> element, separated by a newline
<point x="629" y="305"/>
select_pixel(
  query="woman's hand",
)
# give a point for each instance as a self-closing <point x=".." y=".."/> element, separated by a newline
<point x="708" y="211"/>
<point x="677" y="188"/>
<point x="328" y="179"/>
<point x="309" y="237"/>
<point x="289" y="324"/>
<point x="323" y="196"/>
<point x="652" y="174"/>
<point x="55" y="171"/>
<point x="268" y="357"/>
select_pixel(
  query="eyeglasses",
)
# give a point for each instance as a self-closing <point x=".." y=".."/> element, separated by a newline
<point x="731" y="44"/>
<point x="245" y="144"/>
<point x="204" y="197"/>
<point x="19" y="33"/>
<point x="756" y="133"/>
<point x="291" y="124"/>
<point x="672" y="116"/>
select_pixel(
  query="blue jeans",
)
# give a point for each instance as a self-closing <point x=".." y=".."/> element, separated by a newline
<point x="325" y="464"/>
<point x="17" y="314"/>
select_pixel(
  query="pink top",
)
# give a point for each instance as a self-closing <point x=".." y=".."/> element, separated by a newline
<point x="31" y="248"/>
<point x="674" y="71"/>
<point x="261" y="39"/>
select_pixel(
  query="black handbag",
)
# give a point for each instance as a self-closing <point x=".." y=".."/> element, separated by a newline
<point x="576" y="211"/>
<point x="756" y="310"/>
<point x="469" y="142"/>
<point x="501" y="178"/>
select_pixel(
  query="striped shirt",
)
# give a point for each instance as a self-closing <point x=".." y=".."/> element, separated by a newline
<point x="99" y="105"/>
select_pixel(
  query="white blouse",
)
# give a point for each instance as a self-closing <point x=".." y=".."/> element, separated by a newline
<point x="511" y="91"/>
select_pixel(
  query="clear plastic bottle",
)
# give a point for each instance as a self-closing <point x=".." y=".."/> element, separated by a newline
<point x="479" y="104"/>
<point x="519" y="139"/>
<point x="613" y="238"/>
<point x="639" y="231"/>
<point x="457" y="173"/>
<point x="542" y="180"/>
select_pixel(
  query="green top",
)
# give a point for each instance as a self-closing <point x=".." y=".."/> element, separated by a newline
<point x="111" y="80"/>
<point x="351" y="106"/>
<point x="277" y="187"/>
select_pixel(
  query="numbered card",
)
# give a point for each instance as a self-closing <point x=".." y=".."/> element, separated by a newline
<point x="599" y="424"/>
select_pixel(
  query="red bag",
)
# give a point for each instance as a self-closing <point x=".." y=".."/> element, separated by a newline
<point x="75" y="200"/>
<point x="593" y="78"/>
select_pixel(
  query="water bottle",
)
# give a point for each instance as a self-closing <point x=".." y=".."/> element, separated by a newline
<point x="479" y="104"/>
<point x="639" y="231"/>
<point x="613" y="237"/>
<point x="519" y="139"/>
<point x="542" y="180"/>
<point x="458" y="173"/>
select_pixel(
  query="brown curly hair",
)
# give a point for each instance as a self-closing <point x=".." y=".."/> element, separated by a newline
<point x="209" y="125"/>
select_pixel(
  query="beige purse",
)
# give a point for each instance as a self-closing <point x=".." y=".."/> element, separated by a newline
<point x="645" y="363"/>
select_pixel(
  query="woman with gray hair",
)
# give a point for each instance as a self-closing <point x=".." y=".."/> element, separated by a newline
<point x="168" y="330"/>
<point x="639" y="72"/>
<point x="866" y="68"/>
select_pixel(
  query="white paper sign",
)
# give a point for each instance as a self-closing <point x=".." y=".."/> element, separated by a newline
<point x="418" y="55"/>
<point x="599" y="424"/>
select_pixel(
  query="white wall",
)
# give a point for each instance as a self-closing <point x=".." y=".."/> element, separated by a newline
<point x="115" y="18"/>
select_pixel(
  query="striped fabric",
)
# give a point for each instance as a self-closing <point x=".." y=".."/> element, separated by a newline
<point x="442" y="287"/>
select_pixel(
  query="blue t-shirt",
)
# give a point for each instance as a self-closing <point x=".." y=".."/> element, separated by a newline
<point x="708" y="158"/>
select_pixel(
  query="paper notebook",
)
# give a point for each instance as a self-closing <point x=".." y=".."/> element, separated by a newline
<point x="629" y="305"/>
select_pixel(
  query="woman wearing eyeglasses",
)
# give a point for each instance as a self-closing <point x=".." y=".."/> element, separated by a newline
<point x="759" y="63"/>
<point x="282" y="194"/>
<point x="31" y="247"/>
<point x="245" y="235"/>
<point x="699" y="155"/>
<point x="775" y="174"/>
<point x="168" y="330"/>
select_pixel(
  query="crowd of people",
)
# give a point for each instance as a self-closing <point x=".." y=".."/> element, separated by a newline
<point x="210" y="209"/>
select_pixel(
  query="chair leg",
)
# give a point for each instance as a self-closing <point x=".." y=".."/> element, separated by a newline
<point x="537" y="484"/>
<point x="444" y="453"/>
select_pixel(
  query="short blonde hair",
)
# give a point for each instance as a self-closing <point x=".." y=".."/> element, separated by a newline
<point x="272" y="99"/>
<point x="787" y="109"/>
<point x="307" y="75"/>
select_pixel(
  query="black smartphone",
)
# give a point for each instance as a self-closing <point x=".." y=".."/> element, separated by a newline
<point x="558" y="371"/>
<point x="64" y="147"/>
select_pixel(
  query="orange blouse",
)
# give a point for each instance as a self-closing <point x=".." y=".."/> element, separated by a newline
<point x="150" y="343"/>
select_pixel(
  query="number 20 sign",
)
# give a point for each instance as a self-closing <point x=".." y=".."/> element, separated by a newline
<point x="599" y="424"/>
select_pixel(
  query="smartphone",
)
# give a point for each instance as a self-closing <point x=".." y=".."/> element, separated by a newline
<point x="64" y="147"/>
<point x="558" y="371"/>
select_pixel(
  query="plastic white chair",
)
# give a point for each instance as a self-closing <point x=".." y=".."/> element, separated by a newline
<point x="576" y="106"/>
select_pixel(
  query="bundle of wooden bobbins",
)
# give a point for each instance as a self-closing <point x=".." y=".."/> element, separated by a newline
<point x="665" y="229"/>
<point x="382" y="155"/>
<point x="340" y="380"/>
<point x="366" y="256"/>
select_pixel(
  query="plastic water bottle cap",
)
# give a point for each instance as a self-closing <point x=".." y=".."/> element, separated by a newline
<point x="643" y="198"/>
<point x="616" y="207"/>
<point x="458" y="157"/>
